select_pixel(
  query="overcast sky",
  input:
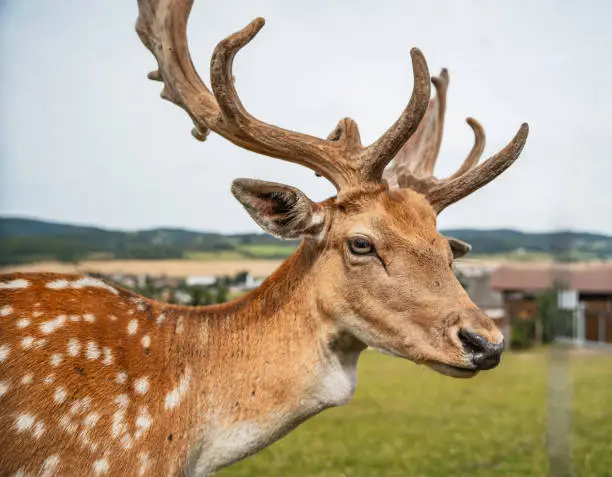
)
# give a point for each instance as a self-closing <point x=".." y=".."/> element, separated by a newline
<point x="85" y="138"/>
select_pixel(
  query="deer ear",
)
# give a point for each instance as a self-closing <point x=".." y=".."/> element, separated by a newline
<point x="458" y="247"/>
<point x="280" y="210"/>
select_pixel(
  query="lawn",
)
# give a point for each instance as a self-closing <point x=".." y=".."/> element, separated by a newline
<point x="408" y="421"/>
<point x="264" y="250"/>
<point x="592" y="414"/>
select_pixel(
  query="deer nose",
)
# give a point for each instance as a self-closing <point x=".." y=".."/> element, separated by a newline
<point x="483" y="353"/>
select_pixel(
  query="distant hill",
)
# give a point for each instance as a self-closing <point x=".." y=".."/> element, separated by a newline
<point x="27" y="240"/>
<point x="505" y="240"/>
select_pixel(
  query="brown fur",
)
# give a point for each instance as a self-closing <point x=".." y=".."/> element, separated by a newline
<point x="256" y="360"/>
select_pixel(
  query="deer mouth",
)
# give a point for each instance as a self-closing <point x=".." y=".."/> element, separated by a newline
<point x="452" y="370"/>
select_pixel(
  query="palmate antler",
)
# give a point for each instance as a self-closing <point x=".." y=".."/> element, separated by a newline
<point x="341" y="158"/>
<point x="413" y="166"/>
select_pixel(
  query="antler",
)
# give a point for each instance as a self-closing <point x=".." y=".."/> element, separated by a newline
<point x="162" y="27"/>
<point x="413" y="166"/>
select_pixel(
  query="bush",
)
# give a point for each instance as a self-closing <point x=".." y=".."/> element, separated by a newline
<point x="523" y="333"/>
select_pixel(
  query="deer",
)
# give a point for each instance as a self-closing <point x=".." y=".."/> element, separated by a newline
<point x="97" y="380"/>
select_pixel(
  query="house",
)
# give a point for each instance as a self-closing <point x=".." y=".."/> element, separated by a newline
<point x="583" y="289"/>
<point x="200" y="280"/>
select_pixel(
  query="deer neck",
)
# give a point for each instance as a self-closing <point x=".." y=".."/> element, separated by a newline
<point x="260" y="366"/>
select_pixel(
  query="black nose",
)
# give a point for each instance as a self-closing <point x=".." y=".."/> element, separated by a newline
<point x="484" y="354"/>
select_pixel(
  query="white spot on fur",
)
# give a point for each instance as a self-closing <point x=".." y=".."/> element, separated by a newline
<point x="20" y="473"/>
<point x="23" y="323"/>
<point x="81" y="405"/>
<point x="59" y="396"/>
<point x="6" y="310"/>
<point x="49" y="379"/>
<point x="75" y="318"/>
<point x="74" y="347"/>
<point x="141" y="385"/>
<point x="180" y="327"/>
<point x="4" y="352"/>
<point x="57" y="284"/>
<point x="132" y="327"/>
<point x="112" y="317"/>
<point x="173" y="398"/>
<point x="91" y="419"/>
<point x="160" y="319"/>
<point x="49" y="466"/>
<point x="121" y="377"/>
<point x="39" y="429"/>
<point x="146" y="341"/>
<point x="122" y="400"/>
<point x="56" y="360"/>
<point x="100" y="466"/>
<point x="89" y="318"/>
<point x="39" y="343"/>
<point x="50" y="326"/>
<point x="24" y="422"/>
<point x="27" y="342"/>
<point x="4" y="387"/>
<point x="27" y="379"/>
<point x="66" y="424"/>
<point x="93" y="352"/>
<point x="144" y="463"/>
<point x="108" y="356"/>
<point x="14" y="284"/>
<point x="36" y="314"/>
<point x="119" y="426"/>
<point x="143" y="422"/>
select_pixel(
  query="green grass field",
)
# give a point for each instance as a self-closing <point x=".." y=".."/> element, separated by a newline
<point x="592" y="415"/>
<point x="408" y="421"/>
<point x="268" y="250"/>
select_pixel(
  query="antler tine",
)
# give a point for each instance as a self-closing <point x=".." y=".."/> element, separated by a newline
<point x="477" y="149"/>
<point x="324" y="157"/>
<point x="376" y="156"/>
<point x="448" y="192"/>
<point x="162" y="27"/>
<point x="414" y="164"/>
<point x="413" y="167"/>
<point x="436" y="123"/>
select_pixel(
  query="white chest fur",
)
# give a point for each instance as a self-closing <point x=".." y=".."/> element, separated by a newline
<point x="334" y="386"/>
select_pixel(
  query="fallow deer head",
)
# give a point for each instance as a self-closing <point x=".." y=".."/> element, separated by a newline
<point x="384" y="273"/>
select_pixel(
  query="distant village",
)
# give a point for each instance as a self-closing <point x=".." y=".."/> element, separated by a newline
<point x="192" y="290"/>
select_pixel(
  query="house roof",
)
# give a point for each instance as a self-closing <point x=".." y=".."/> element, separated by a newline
<point x="585" y="278"/>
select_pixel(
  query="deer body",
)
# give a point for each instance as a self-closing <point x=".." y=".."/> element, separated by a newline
<point x="136" y="387"/>
<point x="97" y="380"/>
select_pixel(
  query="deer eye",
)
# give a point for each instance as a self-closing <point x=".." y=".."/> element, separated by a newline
<point x="360" y="245"/>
